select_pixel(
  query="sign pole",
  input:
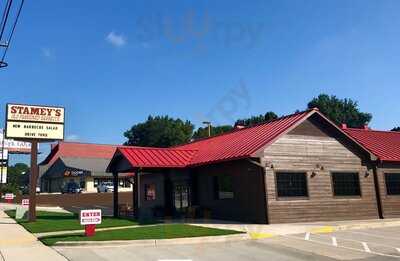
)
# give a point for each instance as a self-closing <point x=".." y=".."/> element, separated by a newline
<point x="2" y="157"/>
<point x="33" y="181"/>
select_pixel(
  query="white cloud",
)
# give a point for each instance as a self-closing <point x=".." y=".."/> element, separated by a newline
<point x="118" y="40"/>
<point x="72" y="137"/>
<point x="46" y="52"/>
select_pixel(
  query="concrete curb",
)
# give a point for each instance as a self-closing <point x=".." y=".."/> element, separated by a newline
<point x="157" y="242"/>
<point x="65" y="232"/>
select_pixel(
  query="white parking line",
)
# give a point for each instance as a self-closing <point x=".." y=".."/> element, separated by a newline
<point x="366" y="248"/>
<point x="334" y="241"/>
<point x="307" y="236"/>
<point x="349" y="248"/>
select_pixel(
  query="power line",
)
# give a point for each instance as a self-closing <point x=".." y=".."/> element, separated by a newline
<point x="5" y="17"/>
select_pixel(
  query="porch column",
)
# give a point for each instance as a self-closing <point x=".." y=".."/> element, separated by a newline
<point x="135" y="194"/>
<point x="115" y="194"/>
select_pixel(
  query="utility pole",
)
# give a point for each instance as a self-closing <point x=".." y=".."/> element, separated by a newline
<point x="208" y="123"/>
<point x="2" y="157"/>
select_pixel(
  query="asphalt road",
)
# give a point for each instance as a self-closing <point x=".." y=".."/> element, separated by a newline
<point x="367" y="244"/>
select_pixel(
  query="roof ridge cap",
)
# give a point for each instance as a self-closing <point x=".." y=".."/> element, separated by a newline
<point x="372" y="130"/>
<point x="154" y="148"/>
<point x="248" y="127"/>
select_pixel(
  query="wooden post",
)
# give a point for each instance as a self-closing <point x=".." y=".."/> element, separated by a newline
<point x="135" y="193"/>
<point x="115" y="194"/>
<point x="33" y="182"/>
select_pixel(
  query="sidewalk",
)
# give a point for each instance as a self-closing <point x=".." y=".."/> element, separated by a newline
<point x="18" y="244"/>
<point x="257" y="231"/>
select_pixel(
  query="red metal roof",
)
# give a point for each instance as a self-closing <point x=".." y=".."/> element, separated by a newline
<point x="383" y="144"/>
<point x="240" y="143"/>
<point x="79" y="150"/>
<point x="157" y="157"/>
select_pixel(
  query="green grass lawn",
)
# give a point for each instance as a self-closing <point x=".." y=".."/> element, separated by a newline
<point x="55" y="221"/>
<point x="146" y="232"/>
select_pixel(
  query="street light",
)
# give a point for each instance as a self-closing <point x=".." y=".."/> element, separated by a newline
<point x="208" y="123"/>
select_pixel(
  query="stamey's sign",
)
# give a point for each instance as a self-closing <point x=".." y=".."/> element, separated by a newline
<point x="35" y="122"/>
<point x="90" y="216"/>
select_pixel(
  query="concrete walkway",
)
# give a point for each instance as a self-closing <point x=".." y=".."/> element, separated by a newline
<point x="257" y="231"/>
<point x="18" y="244"/>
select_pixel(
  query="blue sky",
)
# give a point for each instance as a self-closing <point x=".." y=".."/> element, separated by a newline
<point x="112" y="63"/>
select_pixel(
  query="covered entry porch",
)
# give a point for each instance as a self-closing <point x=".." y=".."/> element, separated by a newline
<point x="162" y="185"/>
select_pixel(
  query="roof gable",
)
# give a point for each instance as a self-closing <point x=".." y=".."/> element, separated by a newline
<point x="385" y="145"/>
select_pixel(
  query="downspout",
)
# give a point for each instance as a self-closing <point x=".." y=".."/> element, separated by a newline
<point x="264" y="174"/>
<point x="377" y="190"/>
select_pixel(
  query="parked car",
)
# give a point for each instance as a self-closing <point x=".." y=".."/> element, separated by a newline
<point x="71" y="187"/>
<point x="105" y="187"/>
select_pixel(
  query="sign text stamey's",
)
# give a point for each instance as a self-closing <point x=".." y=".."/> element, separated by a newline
<point x="35" y="122"/>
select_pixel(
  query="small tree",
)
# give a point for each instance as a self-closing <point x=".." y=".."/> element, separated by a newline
<point x="159" y="131"/>
<point x="396" y="129"/>
<point x="341" y="110"/>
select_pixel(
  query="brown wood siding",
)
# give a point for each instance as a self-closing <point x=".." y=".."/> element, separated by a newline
<point x="248" y="204"/>
<point x="390" y="203"/>
<point x="307" y="149"/>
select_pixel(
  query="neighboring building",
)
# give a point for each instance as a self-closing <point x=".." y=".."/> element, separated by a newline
<point x="385" y="145"/>
<point x="80" y="163"/>
<point x="297" y="168"/>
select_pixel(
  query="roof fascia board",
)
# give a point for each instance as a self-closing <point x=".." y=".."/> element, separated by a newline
<point x="118" y="156"/>
<point x="373" y="157"/>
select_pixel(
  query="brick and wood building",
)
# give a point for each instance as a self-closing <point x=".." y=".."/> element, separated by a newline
<point x="298" y="168"/>
<point x="385" y="145"/>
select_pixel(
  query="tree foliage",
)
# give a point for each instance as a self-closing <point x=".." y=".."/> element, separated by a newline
<point x="257" y="119"/>
<point x="341" y="110"/>
<point x="202" y="132"/>
<point x="15" y="178"/>
<point x="159" y="131"/>
<point x="396" y="129"/>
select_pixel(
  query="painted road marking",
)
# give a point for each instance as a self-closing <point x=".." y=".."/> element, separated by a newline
<point x="345" y="247"/>
<point x="258" y="235"/>
<point x="322" y="230"/>
<point x="307" y="237"/>
<point x="334" y="241"/>
<point x="366" y="248"/>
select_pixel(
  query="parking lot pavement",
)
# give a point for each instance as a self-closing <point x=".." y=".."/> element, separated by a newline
<point x="244" y="250"/>
<point x="377" y="244"/>
<point x="366" y="244"/>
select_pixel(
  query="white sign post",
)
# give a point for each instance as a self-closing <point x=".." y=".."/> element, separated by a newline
<point x="90" y="218"/>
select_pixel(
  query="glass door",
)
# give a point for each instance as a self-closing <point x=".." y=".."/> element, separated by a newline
<point x="181" y="197"/>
